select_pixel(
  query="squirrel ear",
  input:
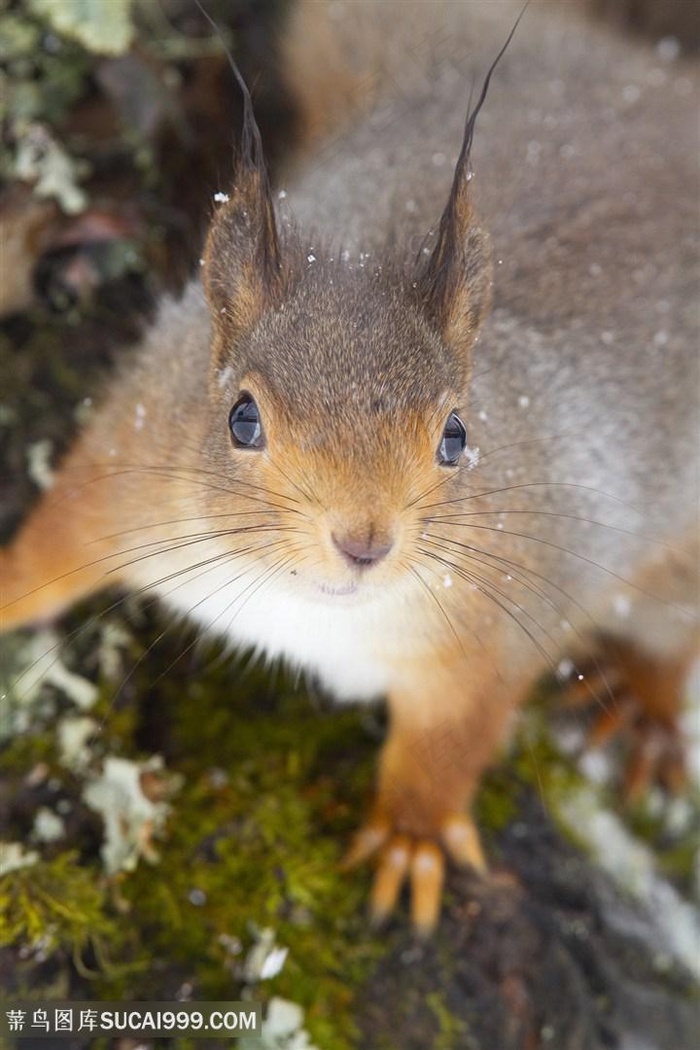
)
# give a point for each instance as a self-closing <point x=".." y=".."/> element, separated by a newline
<point x="241" y="262"/>
<point x="456" y="283"/>
<point x="455" y="286"/>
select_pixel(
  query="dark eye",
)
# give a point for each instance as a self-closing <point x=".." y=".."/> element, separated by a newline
<point x="244" y="421"/>
<point x="454" y="441"/>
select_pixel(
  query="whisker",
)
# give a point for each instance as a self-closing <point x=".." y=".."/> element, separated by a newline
<point x="200" y="538"/>
<point x="310" y="496"/>
<point x="438" y="542"/>
<point x="472" y="629"/>
<point x="485" y="586"/>
<point x="585" y="559"/>
<point x="528" y="441"/>
<point x="202" y="483"/>
<point x="431" y="488"/>
<point x="176" y="543"/>
<point x="176" y="474"/>
<point x="178" y="521"/>
<point x="270" y="575"/>
<point x="535" y="485"/>
<point x="210" y="626"/>
<point x="457" y="519"/>
<point x="416" y="575"/>
<point x="169" y="626"/>
<point x="214" y="562"/>
<point x="177" y="547"/>
<point x="138" y="592"/>
<point x="114" y="468"/>
<point x="514" y="570"/>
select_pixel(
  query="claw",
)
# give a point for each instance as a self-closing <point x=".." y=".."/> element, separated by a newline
<point x="427" y="874"/>
<point x="612" y="721"/>
<point x="366" y="843"/>
<point x="390" y="877"/>
<point x="640" y="768"/>
<point x="461" y="840"/>
<point x="419" y="859"/>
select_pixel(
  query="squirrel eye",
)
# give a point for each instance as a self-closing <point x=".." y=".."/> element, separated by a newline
<point x="454" y="441"/>
<point x="244" y="423"/>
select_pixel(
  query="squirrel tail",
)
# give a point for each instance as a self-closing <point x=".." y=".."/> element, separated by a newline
<point x="318" y="72"/>
<point x="338" y="57"/>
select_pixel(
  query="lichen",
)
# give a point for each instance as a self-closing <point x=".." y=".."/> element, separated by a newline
<point x="104" y="28"/>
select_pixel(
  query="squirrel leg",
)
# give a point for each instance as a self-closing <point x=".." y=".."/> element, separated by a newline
<point x="441" y="739"/>
<point x="74" y="540"/>
<point x="641" y="696"/>
<point x="651" y="694"/>
<point x="53" y="560"/>
<point x="642" y="666"/>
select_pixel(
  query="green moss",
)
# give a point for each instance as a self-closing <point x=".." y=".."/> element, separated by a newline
<point x="272" y="788"/>
<point x="540" y="764"/>
<point x="19" y="37"/>
<point x="452" y="1030"/>
<point x="496" y="802"/>
<point x="56" y="904"/>
<point x="255" y="839"/>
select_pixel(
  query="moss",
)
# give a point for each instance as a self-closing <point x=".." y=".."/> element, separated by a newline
<point x="540" y="763"/>
<point x="452" y="1030"/>
<point x="254" y="839"/>
<point x="56" y="904"/>
<point x="496" y="802"/>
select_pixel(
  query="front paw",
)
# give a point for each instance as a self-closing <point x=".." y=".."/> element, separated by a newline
<point x="640" y="700"/>
<point x="414" y="857"/>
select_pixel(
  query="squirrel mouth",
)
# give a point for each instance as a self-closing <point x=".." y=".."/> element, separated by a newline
<point x="338" y="592"/>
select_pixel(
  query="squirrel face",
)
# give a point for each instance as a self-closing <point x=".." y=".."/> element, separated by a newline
<point x="346" y="378"/>
<point x="343" y="428"/>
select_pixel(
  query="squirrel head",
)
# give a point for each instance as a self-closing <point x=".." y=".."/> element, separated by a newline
<point x="249" y="272"/>
<point x="339" y="390"/>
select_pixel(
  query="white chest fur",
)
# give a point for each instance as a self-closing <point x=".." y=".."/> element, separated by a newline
<point x="331" y="638"/>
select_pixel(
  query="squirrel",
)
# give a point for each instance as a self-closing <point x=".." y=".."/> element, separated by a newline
<point x="412" y="457"/>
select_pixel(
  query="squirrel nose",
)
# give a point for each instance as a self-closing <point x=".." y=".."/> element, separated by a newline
<point x="361" y="553"/>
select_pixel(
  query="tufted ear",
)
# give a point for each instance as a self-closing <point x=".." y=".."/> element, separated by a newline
<point x="241" y="263"/>
<point x="455" y="285"/>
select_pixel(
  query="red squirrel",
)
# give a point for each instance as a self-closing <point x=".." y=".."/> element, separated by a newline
<point x="416" y="432"/>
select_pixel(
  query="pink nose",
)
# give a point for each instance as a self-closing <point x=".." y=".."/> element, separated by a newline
<point x="361" y="554"/>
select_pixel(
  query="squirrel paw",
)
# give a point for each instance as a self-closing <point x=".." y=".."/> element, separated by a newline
<point x="642" y="712"/>
<point x="418" y="860"/>
<point x="655" y="753"/>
